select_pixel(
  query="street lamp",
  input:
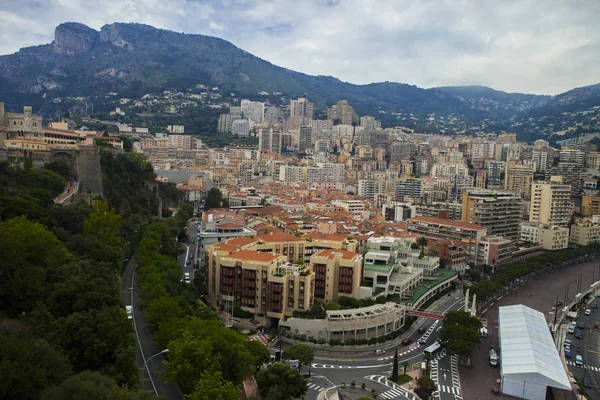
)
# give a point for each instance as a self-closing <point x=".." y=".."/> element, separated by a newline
<point x="146" y="367"/>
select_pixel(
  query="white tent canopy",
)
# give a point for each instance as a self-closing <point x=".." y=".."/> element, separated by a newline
<point x="529" y="359"/>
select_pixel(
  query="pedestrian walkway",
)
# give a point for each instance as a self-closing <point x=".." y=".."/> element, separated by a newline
<point x="321" y="385"/>
<point x="590" y="367"/>
<point x="395" y="391"/>
<point x="260" y="337"/>
<point x="413" y="348"/>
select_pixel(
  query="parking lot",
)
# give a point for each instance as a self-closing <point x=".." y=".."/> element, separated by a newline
<point x="480" y="378"/>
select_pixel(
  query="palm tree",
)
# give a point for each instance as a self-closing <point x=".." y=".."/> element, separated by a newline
<point x="405" y="365"/>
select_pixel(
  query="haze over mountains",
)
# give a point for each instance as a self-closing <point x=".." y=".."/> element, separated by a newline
<point x="133" y="59"/>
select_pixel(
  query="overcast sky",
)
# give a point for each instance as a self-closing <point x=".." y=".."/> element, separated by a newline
<point x="543" y="47"/>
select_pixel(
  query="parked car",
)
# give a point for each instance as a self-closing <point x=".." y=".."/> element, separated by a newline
<point x="579" y="361"/>
<point x="406" y="341"/>
<point x="568" y="352"/>
<point x="587" y="311"/>
<point x="129" y="310"/>
<point x="567" y="343"/>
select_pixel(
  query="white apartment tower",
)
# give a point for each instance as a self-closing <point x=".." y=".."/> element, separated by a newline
<point x="551" y="202"/>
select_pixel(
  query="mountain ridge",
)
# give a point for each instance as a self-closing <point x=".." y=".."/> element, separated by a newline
<point x="134" y="59"/>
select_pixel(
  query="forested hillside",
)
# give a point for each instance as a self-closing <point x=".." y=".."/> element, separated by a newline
<point x="64" y="333"/>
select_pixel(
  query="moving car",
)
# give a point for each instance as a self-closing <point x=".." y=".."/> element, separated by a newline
<point x="406" y="341"/>
<point x="493" y="356"/>
<point x="187" y="262"/>
<point x="579" y="361"/>
<point x="129" y="310"/>
<point x="186" y="277"/>
<point x="422" y="341"/>
<point x="379" y="351"/>
<point x="578" y="335"/>
<point x="587" y="311"/>
<point x="581" y="325"/>
<point x="191" y="256"/>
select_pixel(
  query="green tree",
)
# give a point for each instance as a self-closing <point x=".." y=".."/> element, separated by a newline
<point x="301" y="352"/>
<point x="28" y="366"/>
<point x="28" y="252"/>
<point x="260" y="353"/>
<point x="460" y="334"/>
<point x="104" y="223"/>
<point x="92" y="385"/>
<point x="212" y="386"/>
<point x="214" y="199"/>
<point x="404" y="366"/>
<point x="395" y="367"/>
<point x="280" y="382"/>
<point x="189" y="358"/>
<point x="161" y="309"/>
<point x="425" y="386"/>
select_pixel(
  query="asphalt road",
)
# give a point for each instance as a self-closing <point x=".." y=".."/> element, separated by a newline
<point x="589" y="349"/>
<point x="447" y="378"/>
<point x="329" y="373"/>
<point x="190" y="251"/>
<point x="150" y="377"/>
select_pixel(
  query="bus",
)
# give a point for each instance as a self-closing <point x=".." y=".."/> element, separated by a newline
<point x="433" y="349"/>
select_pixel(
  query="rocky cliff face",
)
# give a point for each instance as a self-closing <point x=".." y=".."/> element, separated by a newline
<point x="72" y="38"/>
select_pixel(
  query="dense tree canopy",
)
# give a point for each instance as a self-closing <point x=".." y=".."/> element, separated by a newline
<point x="280" y="382"/>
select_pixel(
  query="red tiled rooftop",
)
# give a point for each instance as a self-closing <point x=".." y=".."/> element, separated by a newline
<point x="331" y="253"/>
<point x="279" y="237"/>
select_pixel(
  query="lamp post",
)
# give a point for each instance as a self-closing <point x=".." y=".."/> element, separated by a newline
<point x="146" y="367"/>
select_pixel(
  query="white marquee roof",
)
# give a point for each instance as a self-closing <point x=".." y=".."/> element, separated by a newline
<point x="527" y="348"/>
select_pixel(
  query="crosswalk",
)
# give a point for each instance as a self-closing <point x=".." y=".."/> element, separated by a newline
<point x="321" y="385"/>
<point x="395" y="391"/>
<point x="455" y="389"/>
<point x="590" y="367"/>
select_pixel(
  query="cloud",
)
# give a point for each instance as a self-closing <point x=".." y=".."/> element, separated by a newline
<point x="534" y="46"/>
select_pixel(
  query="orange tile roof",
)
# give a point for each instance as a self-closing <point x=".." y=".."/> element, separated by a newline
<point x="447" y="222"/>
<point x="279" y="237"/>
<point x="252" y="255"/>
<point x="325" y="236"/>
<point x="241" y="241"/>
<point x="331" y="253"/>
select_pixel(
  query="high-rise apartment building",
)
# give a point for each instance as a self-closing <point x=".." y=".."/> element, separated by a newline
<point x="343" y="113"/>
<point x="551" y="202"/>
<point x="468" y="234"/>
<point x="370" y="123"/>
<point x="335" y="172"/>
<point x="590" y="206"/>
<point x="263" y="284"/>
<point x="499" y="212"/>
<point x="369" y="188"/>
<point x="495" y="175"/>
<point x="337" y="273"/>
<point x="571" y="173"/>
<point x="408" y="188"/>
<point x="253" y="110"/>
<point x="304" y="138"/>
<point x="320" y="125"/>
<point x="180" y="142"/>
<point x="269" y="140"/>
<point x="302" y="108"/>
<point x="225" y="121"/>
<point x="518" y="178"/>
